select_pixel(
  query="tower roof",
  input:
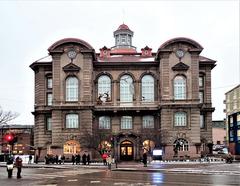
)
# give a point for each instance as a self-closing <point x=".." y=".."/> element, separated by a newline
<point x="123" y="27"/>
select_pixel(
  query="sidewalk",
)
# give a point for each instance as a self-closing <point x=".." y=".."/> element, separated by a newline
<point x="166" y="167"/>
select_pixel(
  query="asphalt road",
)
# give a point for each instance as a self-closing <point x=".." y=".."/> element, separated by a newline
<point x="97" y="177"/>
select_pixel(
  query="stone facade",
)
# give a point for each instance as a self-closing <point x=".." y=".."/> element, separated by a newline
<point x="126" y="136"/>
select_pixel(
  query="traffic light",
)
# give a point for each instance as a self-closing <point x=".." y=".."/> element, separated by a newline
<point x="10" y="138"/>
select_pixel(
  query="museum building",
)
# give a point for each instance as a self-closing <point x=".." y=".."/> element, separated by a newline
<point x="123" y="101"/>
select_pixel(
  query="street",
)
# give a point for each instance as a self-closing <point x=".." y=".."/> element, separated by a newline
<point x="104" y="177"/>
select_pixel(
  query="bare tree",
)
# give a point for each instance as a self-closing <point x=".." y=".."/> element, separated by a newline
<point x="93" y="140"/>
<point x="6" y="116"/>
<point x="159" y="137"/>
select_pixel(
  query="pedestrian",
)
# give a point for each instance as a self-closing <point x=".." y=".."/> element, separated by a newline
<point x="84" y="159"/>
<point x="10" y="166"/>
<point x="63" y="158"/>
<point x="18" y="164"/>
<point x="78" y="159"/>
<point x="36" y="159"/>
<point x="145" y="159"/>
<point x="60" y="159"/>
<point x="30" y="159"/>
<point x="104" y="157"/>
<point x="109" y="161"/>
<point x="73" y="159"/>
<point x="56" y="159"/>
<point x="88" y="159"/>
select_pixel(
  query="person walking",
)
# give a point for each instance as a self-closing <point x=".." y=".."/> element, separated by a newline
<point x="84" y="159"/>
<point x="104" y="157"/>
<point x="78" y="159"/>
<point x="88" y="159"/>
<point x="18" y="164"/>
<point x="73" y="159"/>
<point x="10" y="166"/>
<point x="30" y="159"/>
<point x="36" y="159"/>
<point x="63" y="158"/>
<point x="109" y="161"/>
<point x="145" y="159"/>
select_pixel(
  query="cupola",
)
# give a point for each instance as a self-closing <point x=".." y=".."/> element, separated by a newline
<point x="123" y="37"/>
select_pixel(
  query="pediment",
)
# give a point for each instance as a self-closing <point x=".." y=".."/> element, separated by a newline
<point x="71" y="68"/>
<point x="180" y="66"/>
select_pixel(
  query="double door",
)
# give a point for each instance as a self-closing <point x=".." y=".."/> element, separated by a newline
<point x="126" y="151"/>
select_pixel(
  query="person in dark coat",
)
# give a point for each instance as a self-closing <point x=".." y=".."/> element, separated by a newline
<point x="36" y="159"/>
<point x="30" y="159"/>
<point x="63" y="158"/>
<point x="73" y="159"/>
<point x="18" y="164"/>
<point x="56" y="159"/>
<point x="145" y="159"/>
<point x="10" y="166"/>
<point x="84" y="159"/>
<point x="88" y="159"/>
<point x="78" y="159"/>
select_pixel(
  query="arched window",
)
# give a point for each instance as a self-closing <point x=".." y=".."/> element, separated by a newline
<point x="148" y="121"/>
<point x="126" y="89"/>
<point x="71" y="147"/>
<point x="104" y="122"/>
<point x="71" y="89"/>
<point x="104" y="87"/>
<point x="148" y="88"/>
<point x="72" y="121"/>
<point x="180" y="119"/>
<point x="179" y="87"/>
<point x="148" y="145"/>
<point x="180" y="144"/>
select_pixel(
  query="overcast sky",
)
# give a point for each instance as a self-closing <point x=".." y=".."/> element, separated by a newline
<point x="28" y="28"/>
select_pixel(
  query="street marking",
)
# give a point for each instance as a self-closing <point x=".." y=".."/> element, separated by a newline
<point x="73" y="180"/>
<point x="120" y="183"/>
<point x="95" y="181"/>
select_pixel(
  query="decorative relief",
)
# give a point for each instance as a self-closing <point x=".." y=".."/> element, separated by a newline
<point x="180" y="67"/>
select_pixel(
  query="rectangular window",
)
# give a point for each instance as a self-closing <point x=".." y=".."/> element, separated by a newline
<point x="49" y="99"/>
<point x="201" y="81"/>
<point x="180" y="119"/>
<point x="71" y="121"/>
<point x="49" y="82"/>
<point x="201" y="96"/>
<point x="49" y="123"/>
<point x="104" y="122"/>
<point x="148" y="121"/>
<point x="202" y="121"/>
<point x="126" y="122"/>
<point x="231" y="136"/>
<point x="238" y="134"/>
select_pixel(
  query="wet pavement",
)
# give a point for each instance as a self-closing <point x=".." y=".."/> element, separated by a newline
<point x="102" y="177"/>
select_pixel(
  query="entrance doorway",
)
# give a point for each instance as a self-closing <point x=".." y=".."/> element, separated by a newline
<point x="126" y="151"/>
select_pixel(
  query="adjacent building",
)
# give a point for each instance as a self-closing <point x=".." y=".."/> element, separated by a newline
<point x="232" y="111"/>
<point x="219" y="132"/>
<point x="123" y="100"/>
<point x="23" y="143"/>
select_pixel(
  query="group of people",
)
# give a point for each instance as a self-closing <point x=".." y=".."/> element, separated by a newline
<point x="108" y="160"/>
<point x="17" y="164"/>
<point x="58" y="159"/>
<point x="77" y="159"/>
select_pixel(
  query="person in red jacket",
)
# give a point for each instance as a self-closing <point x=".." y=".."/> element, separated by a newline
<point x="18" y="164"/>
<point x="104" y="157"/>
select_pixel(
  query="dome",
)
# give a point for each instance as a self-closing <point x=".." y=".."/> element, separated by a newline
<point x="123" y="27"/>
